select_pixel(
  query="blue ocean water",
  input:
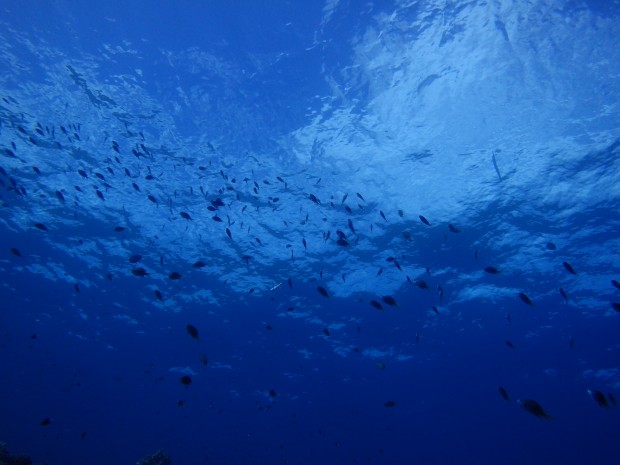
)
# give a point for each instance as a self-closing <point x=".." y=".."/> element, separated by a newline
<point x="378" y="213"/>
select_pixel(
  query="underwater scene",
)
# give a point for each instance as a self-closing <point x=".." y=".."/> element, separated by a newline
<point x="323" y="232"/>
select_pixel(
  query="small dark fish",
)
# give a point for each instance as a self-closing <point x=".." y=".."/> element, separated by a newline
<point x="217" y="203"/>
<point x="389" y="403"/>
<point x="380" y="272"/>
<point x="615" y="284"/>
<point x="376" y="304"/>
<point x="9" y="153"/>
<point x="290" y="283"/>
<point x="303" y="240"/>
<point x="82" y="173"/>
<point x="360" y="196"/>
<point x="390" y="259"/>
<point x="388" y="299"/>
<point x="382" y="215"/>
<point x="453" y="229"/>
<point x="41" y="226"/>
<point x="192" y="331"/>
<point x="510" y="344"/>
<point x="533" y="407"/>
<point x="228" y="233"/>
<point x="424" y="220"/>
<point x="186" y="380"/>
<point x="491" y="270"/>
<point x="551" y="246"/>
<point x="322" y="291"/>
<point x="135" y="258"/>
<point x="45" y="421"/>
<point x="564" y="295"/>
<point x="216" y="219"/>
<point x="421" y="284"/>
<point x="60" y="196"/>
<point x="140" y="272"/>
<point x="351" y="226"/>
<point x="152" y="199"/>
<point x="397" y="265"/>
<point x="503" y="393"/>
<point x="99" y="194"/>
<point x="526" y="299"/>
<point x="76" y="286"/>
<point x="185" y="215"/>
<point x="16" y="252"/>
<point x="199" y="264"/>
<point x="175" y="275"/>
<point x="615" y="306"/>
<point x="120" y="229"/>
<point x="135" y="186"/>
<point x="326" y="331"/>
<point x="569" y="268"/>
<point x="571" y="343"/>
<point x="314" y="199"/>
<point x="158" y="295"/>
<point x="272" y="393"/>
<point x="599" y="397"/>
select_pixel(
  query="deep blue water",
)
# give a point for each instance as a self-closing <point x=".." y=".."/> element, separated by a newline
<point x="498" y="122"/>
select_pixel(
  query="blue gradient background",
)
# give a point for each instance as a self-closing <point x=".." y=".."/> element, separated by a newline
<point x="409" y="104"/>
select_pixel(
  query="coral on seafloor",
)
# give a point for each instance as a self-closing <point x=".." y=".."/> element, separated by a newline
<point x="158" y="458"/>
<point x="6" y="459"/>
